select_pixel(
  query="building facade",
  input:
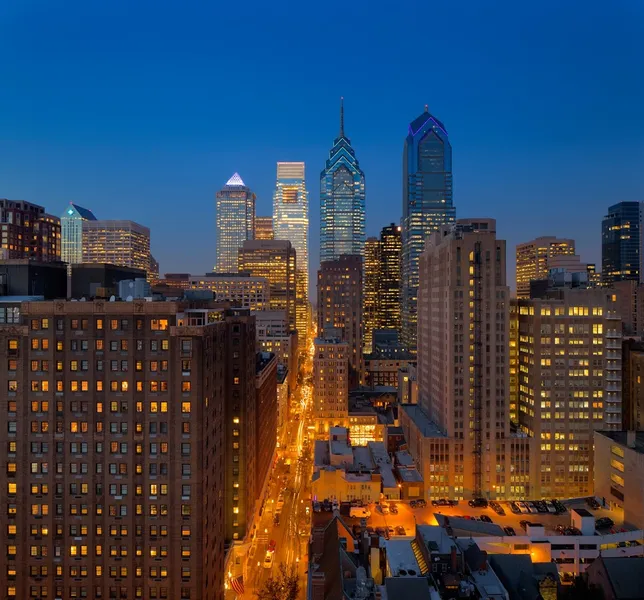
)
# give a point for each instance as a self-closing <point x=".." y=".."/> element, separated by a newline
<point x="427" y="205"/>
<point x="241" y="289"/>
<point x="71" y="225"/>
<point x="621" y="242"/>
<point x="291" y="222"/>
<point x="266" y="420"/>
<point x="389" y="288"/>
<point x="264" y="228"/>
<point x="275" y="261"/>
<point x="330" y="383"/>
<point x="371" y="291"/>
<point x="570" y="383"/>
<point x="632" y="385"/>
<point x="121" y="243"/>
<point x="275" y="336"/>
<point x="110" y="409"/>
<point x="28" y="232"/>
<point x="342" y="200"/>
<point x="235" y="222"/>
<point x="340" y="307"/>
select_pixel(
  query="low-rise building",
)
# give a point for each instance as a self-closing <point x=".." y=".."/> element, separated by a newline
<point x="334" y="483"/>
<point x="241" y="289"/>
<point x="282" y="396"/>
<point x="617" y="578"/>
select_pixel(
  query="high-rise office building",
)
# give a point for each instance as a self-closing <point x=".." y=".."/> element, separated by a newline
<point x="235" y="222"/>
<point x="342" y="200"/>
<point x="264" y="228"/>
<point x="461" y="425"/>
<point x="111" y="408"/>
<point x="28" y="232"/>
<point x="291" y="222"/>
<point x="240" y="289"/>
<point x="330" y="383"/>
<point x="570" y="382"/>
<point x="121" y="243"/>
<point x="621" y="242"/>
<point x="340" y="307"/>
<point x="71" y="225"/>
<point x="275" y="261"/>
<point x="427" y="205"/>
<point x="153" y="271"/>
<point x="534" y="260"/>
<point x="370" y="296"/>
<point x="390" y="278"/>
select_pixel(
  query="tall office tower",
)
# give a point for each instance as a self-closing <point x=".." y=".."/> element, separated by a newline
<point x="235" y="222"/>
<point x="461" y="425"/>
<point x="28" y="232"/>
<point x="71" y="225"/>
<point x="389" y="278"/>
<point x="570" y="365"/>
<point x="621" y="242"/>
<point x="276" y="261"/>
<point x="114" y="448"/>
<point x="534" y="258"/>
<point x="291" y="222"/>
<point x="513" y="362"/>
<point x="330" y="383"/>
<point x="427" y="205"/>
<point x="264" y="228"/>
<point x="153" y="271"/>
<point x="340" y="307"/>
<point x="370" y="296"/>
<point x="121" y="243"/>
<point x="342" y="200"/>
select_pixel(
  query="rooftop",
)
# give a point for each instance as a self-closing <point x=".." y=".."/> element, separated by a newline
<point x="621" y="437"/>
<point x="436" y="539"/>
<point x="411" y="588"/>
<point x="236" y="181"/>
<point x="625" y="575"/>
<point x="425" y="425"/>
<point x="401" y="558"/>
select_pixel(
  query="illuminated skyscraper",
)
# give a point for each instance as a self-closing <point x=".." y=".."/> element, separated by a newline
<point x="71" y="224"/>
<point x="342" y="201"/>
<point x="621" y="242"/>
<point x="121" y="243"/>
<point x="427" y="205"/>
<point x="534" y="257"/>
<point x="291" y="222"/>
<point x="389" y="278"/>
<point x="235" y="222"/>
<point x="370" y="295"/>
<point x="264" y="228"/>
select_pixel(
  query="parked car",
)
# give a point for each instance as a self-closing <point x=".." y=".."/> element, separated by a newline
<point x="559" y="506"/>
<point x="497" y="508"/>
<point x="420" y="503"/>
<point x="359" y="512"/>
<point x="592" y="503"/>
<point x="514" y="508"/>
<point x="532" y="508"/>
<point x="509" y="531"/>
<point x="413" y="504"/>
<point x="356" y="502"/>
<point x="317" y="507"/>
<point x="541" y="506"/>
<point x="604" y="523"/>
<point x="486" y="519"/>
<point x="550" y="506"/>
<point x="523" y="508"/>
<point x="326" y="506"/>
<point x="393" y="509"/>
<point x="390" y="531"/>
<point x="478" y="503"/>
<point x="524" y="523"/>
<point x="335" y="505"/>
<point x="400" y="530"/>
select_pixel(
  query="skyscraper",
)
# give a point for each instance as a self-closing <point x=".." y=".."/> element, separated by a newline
<point x="264" y="228"/>
<point x="389" y="278"/>
<point x="621" y="242"/>
<point x="342" y="200"/>
<point x="121" y="243"/>
<point x="28" y="232"/>
<point x="235" y="222"/>
<point x="71" y="225"/>
<point x="370" y="295"/>
<point x="340" y="307"/>
<point x="427" y="205"/>
<point x="291" y="222"/>
<point x="534" y="258"/>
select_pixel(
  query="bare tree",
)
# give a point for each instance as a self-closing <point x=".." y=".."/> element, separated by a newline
<point x="284" y="585"/>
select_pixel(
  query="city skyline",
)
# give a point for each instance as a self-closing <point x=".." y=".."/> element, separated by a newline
<point x="121" y="145"/>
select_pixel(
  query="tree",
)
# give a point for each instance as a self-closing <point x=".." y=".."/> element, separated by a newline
<point x="285" y="585"/>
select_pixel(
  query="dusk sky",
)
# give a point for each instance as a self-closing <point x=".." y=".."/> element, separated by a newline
<point x="142" y="110"/>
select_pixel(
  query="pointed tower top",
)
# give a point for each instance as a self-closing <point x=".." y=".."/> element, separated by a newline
<point x="426" y="108"/>
<point x="235" y="180"/>
<point x="341" y="116"/>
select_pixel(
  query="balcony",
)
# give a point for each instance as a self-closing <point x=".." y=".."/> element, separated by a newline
<point x="613" y="333"/>
<point x="613" y="315"/>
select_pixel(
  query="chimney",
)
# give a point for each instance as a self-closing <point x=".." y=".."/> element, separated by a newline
<point x="453" y="560"/>
<point x="631" y="437"/>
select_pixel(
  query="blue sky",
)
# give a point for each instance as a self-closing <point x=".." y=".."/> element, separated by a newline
<point x="142" y="110"/>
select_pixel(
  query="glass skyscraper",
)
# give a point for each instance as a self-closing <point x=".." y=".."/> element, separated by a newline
<point x="235" y="222"/>
<point x="71" y="233"/>
<point x="291" y="222"/>
<point x="621" y="242"/>
<point x="427" y="204"/>
<point x="342" y="200"/>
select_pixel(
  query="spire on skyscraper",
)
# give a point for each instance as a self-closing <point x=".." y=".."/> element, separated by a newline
<point x="341" y="116"/>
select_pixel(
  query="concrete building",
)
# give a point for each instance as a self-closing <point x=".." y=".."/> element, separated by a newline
<point x="265" y="419"/>
<point x="28" y="232"/>
<point x="275" y="261"/>
<point x="330" y="383"/>
<point x="110" y="409"/>
<point x="264" y="228"/>
<point x="93" y="280"/>
<point x="134" y="289"/>
<point x="340" y="307"/>
<point x="240" y="289"/>
<point x="570" y="383"/>
<point x="533" y="260"/>
<point x="370" y="294"/>
<point x="274" y="335"/>
<point x="282" y="397"/>
<point x="619" y="473"/>
<point x="621" y="242"/>
<point x="120" y="243"/>
<point x="171" y="285"/>
<point x="26" y="277"/>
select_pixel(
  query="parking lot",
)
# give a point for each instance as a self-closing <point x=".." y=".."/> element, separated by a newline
<point x="408" y="517"/>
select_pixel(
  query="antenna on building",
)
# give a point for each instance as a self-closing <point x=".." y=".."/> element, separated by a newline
<point x="341" y="116"/>
<point x="426" y="108"/>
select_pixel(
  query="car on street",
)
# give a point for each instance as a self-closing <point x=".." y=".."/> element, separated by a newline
<point x="478" y="503"/>
<point x="276" y="519"/>
<point x="509" y="531"/>
<point x="271" y="546"/>
<point x="268" y="560"/>
<point x="604" y="523"/>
